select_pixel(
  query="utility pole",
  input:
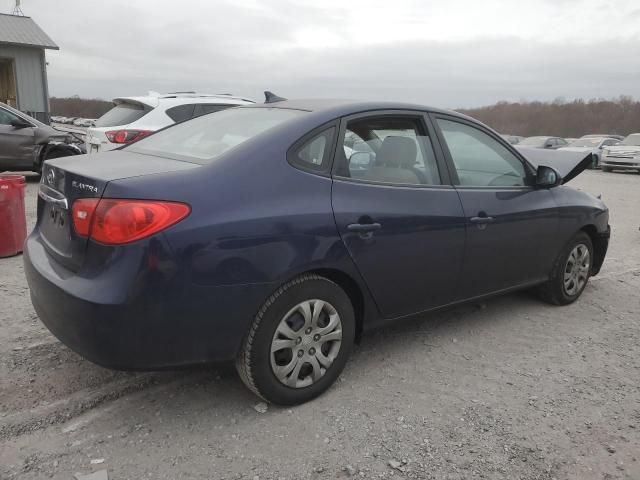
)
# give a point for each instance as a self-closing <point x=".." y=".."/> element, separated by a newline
<point x="17" y="10"/>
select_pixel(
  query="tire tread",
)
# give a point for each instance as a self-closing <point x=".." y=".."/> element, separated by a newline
<point x="243" y="361"/>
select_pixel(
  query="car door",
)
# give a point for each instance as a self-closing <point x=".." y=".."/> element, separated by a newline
<point x="397" y="214"/>
<point x="510" y="224"/>
<point x="16" y="143"/>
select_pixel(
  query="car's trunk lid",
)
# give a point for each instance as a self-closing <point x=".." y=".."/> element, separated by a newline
<point x="65" y="180"/>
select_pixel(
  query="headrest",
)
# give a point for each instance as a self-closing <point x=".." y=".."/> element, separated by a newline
<point x="397" y="152"/>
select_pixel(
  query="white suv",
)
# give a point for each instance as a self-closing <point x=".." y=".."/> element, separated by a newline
<point x="135" y="117"/>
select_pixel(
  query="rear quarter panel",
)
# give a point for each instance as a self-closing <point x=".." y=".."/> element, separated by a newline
<point x="256" y="222"/>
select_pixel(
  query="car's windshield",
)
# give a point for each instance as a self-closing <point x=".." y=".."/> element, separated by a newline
<point x="586" y="142"/>
<point x="209" y="136"/>
<point x="633" y="139"/>
<point x="534" y="141"/>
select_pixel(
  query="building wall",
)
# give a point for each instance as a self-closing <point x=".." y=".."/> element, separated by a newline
<point x="31" y="79"/>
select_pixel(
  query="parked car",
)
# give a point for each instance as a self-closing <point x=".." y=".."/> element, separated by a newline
<point x="623" y="156"/>
<point x="512" y="139"/>
<point x="248" y="236"/>
<point x="25" y="143"/>
<point x="569" y="140"/>
<point x="544" y="142"/>
<point x="135" y="117"/>
<point x="593" y="146"/>
<point x="617" y="137"/>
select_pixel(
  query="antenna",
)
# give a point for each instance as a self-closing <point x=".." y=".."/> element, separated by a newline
<point x="17" y="10"/>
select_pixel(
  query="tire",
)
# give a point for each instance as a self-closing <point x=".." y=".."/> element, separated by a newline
<point x="561" y="289"/>
<point x="605" y="169"/>
<point x="264" y="372"/>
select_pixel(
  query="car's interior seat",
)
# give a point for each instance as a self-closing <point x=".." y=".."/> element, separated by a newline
<point x="395" y="162"/>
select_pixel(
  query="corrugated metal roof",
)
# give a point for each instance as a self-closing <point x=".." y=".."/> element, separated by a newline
<point x="17" y="30"/>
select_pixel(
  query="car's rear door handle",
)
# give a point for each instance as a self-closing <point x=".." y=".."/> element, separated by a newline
<point x="481" y="220"/>
<point x="363" y="227"/>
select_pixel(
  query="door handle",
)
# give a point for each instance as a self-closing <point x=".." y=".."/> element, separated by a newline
<point x="481" y="220"/>
<point x="364" y="227"/>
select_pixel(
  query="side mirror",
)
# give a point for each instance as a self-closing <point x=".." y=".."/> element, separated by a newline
<point x="547" y="177"/>
<point x="19" y="123"/>
<point x="548" y="145"/>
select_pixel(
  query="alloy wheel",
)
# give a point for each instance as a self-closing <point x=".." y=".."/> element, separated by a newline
<point x="576" y="271"/>
<point x="306" y="343"/>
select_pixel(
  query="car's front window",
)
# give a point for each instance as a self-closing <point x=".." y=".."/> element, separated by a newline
<point x="206" y="138"/>
<point x="633" y="140"/>
<point x="479" y="159"/>
<point x="6" y="118"/>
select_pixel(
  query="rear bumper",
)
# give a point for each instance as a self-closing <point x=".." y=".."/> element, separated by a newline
<point x="148" y="329"/>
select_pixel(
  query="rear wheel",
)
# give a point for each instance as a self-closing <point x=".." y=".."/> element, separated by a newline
<point x="571" y="272"/>
<point x="299" y="341"/>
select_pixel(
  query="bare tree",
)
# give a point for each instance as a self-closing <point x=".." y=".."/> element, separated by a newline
<point x="561" y="118"/>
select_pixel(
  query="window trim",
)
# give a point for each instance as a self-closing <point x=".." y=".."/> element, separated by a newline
<point x="323" y="170"/>
<point x="423" y="122"/>
<point x="529" y="169"/>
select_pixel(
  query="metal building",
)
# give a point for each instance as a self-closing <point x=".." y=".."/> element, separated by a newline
<point x="23" y="66"/>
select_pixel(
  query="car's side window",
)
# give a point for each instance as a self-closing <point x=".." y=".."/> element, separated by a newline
<point x="180" y="113"/>
<point x="314" y="152"/>
<point x="388" y="149"/>
<point x="479" y="159"/>
<point x="206" y="108"/>
<point x="6" y="118"/>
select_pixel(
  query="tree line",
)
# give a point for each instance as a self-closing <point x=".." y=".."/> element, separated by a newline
<point x="558" y="118"/>
<point x="561" y="118"/>
<point x="79" y="107"/>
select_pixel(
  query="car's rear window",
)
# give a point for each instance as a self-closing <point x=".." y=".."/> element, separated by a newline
<point x="205" y="138"/>
<point x="122" y="114"/>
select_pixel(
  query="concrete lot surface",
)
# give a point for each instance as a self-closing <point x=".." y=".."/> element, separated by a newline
<point x="509" y="389"/>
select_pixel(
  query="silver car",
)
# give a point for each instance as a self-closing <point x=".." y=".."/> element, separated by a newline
<point x="592" y="145"/>
<point x="25" y="143"/>
<point x="623" y="156"/>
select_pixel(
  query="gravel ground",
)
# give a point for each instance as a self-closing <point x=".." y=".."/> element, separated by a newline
<point x="508" y="389"/>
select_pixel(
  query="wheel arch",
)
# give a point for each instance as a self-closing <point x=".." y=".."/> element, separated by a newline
<point x="600" y="243"/>
<point x="351" y="288"/>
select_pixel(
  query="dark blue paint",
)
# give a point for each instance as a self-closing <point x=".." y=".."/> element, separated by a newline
<point x="189" y="294"/>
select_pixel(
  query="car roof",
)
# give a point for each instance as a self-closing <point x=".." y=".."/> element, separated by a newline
<point x="343" y="107"/>
<point x="183" y="98"/>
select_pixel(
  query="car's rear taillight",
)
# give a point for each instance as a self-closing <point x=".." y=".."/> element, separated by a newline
<point x="116" y="221"/>
<point x="126" y="136"/>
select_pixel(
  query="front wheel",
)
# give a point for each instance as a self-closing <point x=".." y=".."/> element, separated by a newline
<point x="299" y="341"/>
<point x="571" y="272"/>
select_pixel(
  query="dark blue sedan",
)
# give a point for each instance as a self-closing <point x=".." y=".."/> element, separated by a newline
<point x="274" y="234"/>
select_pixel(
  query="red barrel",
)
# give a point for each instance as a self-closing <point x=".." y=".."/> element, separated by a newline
<point x="13" y="221"/>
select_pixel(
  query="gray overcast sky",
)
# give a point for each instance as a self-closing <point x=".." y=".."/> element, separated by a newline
<point x="453" y="53"/>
